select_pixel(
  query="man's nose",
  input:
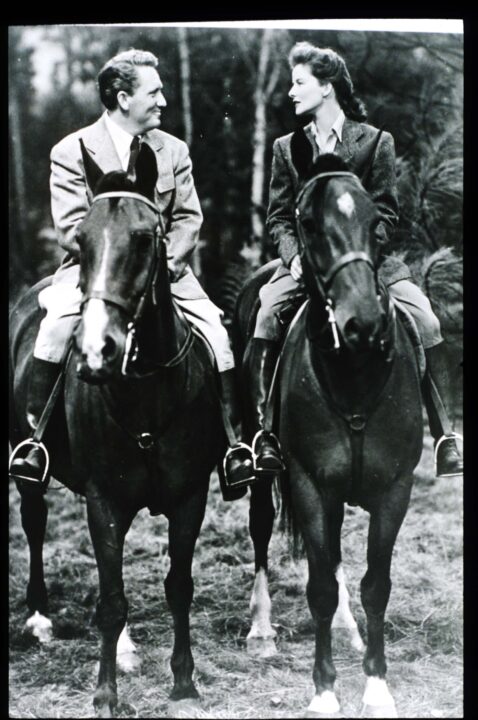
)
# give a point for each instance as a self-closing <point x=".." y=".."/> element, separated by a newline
<point x="161" y="101"/>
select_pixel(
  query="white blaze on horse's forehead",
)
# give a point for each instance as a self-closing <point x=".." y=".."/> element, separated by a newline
<point x="100" y="280"/>
<point x="95" y="322"/>
<point x="346" y="204"/>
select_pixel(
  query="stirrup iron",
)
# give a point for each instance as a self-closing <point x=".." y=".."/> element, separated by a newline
<point x="264" y="471"/>
<point x="41" y="446"/>
<point x="439" y="442"/>
<point x="238" y="446"/>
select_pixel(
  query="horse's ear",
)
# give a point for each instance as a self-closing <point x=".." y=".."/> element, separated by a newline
<point x="93" y="173"/>
<point x="146" y="171"/>
<point x="362" y="163"/>
<point x="302" y="153"/>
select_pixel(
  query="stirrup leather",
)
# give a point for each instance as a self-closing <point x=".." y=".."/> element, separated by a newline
<point x="243" y="452"/>
<point x="275" y="440"/>
<point x="442" y="439"/>
<point x="33" y="443"/>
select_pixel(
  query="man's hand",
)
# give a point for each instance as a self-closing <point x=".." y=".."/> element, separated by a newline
<point x="296" y="268"/>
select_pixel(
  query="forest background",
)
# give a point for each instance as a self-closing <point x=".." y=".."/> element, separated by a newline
<point x="226" y="90"/>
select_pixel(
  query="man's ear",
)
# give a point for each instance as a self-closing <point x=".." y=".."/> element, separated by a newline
<point x="123" y="100"/>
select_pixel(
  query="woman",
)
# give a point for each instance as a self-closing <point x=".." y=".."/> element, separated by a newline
<point x="323" y="89"/>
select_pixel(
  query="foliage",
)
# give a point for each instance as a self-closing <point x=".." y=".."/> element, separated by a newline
<point x="411" y="84"/>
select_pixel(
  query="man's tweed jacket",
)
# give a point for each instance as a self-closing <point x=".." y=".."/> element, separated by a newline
<point x="175" y="194"/>
<point x="381" y="186"/>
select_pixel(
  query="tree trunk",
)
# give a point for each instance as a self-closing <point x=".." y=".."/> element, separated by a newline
<point x="266" y="82"/>
<point x="185" y="75"/>
<point x="17" y="178"/>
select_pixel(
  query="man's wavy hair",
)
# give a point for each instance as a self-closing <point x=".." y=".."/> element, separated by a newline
<point x="119" y="73"/>
<point x="328" y="66"/>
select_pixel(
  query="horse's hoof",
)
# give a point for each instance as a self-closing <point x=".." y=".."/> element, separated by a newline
<point x="261" y="647"/>
<point x="379" y="711"/>
<point x="40" y="627"/>
<point x="187" y="708"/>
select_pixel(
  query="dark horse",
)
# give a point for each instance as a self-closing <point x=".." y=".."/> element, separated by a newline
<point x="142" y="425"/>
<point x="349" y="420"/>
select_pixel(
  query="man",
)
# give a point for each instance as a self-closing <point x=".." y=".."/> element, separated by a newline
<point x="130" y="88"/>
<point x="322" y="88"/>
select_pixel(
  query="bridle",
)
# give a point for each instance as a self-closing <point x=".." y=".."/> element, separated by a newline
<point x="158" y="238"/>
<point x="323" y="280"/>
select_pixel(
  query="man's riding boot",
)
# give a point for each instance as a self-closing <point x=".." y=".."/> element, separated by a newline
<point x="435" y="392"/>
<point x="42" y="379"/>
<point x="238" y="459"/>
<point x="266" y="447"/>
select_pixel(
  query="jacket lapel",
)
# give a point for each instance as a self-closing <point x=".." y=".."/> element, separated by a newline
<point x="99" y="144"/>
<point x="351" y="134"/>
<point x="165" y="180"/>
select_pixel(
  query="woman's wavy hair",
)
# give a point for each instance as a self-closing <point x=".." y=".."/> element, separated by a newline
<point x="119" y="73"/>
<point x="328" y="66"/>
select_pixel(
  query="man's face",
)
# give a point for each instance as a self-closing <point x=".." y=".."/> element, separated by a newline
<point x="307" y="93"/>
<point x="146" y="102"/>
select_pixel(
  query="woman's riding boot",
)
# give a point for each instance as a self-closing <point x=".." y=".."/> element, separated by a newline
<point x="266" y="447"/>
<point x="42" y="379"/>
<point x="237" y="465"/>
<point x="435" y="393"/>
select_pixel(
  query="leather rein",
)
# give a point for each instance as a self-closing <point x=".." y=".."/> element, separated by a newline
<point x="158" y="236"/>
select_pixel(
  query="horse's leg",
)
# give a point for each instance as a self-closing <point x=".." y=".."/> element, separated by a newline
<point x="260" y="640"/>
<point x="108" y="526"/>
<point x="385" y="521"/>
<point x="322" y="591"/>
<point x="126" y="655"/>
<point x="343" y="617"/>
<point x="34" y="512"/>
<point x="184" y="525"/>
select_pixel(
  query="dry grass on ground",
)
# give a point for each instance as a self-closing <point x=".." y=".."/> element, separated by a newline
<point x="423" y="628"/>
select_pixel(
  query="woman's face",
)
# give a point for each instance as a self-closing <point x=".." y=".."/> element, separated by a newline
<point x="307" y="93"/>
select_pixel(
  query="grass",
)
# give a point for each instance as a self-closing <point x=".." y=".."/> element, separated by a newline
<point x="424" y="629"/>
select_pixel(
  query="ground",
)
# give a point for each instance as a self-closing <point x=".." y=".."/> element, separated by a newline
<point x="423" y="627"/>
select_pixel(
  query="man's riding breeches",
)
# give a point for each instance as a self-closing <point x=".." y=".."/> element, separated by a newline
<point x="62" y="302"/>
<point x="281" y="288"/>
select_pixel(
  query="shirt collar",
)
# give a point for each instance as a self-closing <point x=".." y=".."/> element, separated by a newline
<point x="121" y="138"/>
<point x="337" y="126"/>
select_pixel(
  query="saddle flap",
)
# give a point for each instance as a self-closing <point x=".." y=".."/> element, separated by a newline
<point x="411" y="328"/>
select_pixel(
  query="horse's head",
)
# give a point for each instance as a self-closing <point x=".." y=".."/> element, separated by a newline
<point x="336" y="221"/>
<point x="118" y="242"/>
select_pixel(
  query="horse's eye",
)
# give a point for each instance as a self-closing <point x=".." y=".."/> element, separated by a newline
<point x="308" y="224"/>
<point x="142" y="239"/>
<point x="142" y="236"/>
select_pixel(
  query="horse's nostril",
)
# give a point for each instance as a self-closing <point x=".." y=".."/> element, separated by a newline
<point x="109" y="348"/>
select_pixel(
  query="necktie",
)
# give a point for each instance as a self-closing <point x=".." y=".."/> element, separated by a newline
<point x="134" y="152"/>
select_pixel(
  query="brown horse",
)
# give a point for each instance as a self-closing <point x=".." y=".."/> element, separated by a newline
<point x="349" y="421"/>
<point x="141" y="426"/>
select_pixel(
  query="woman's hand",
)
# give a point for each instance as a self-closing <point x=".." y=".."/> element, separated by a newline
<point x="296" y="268"/>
